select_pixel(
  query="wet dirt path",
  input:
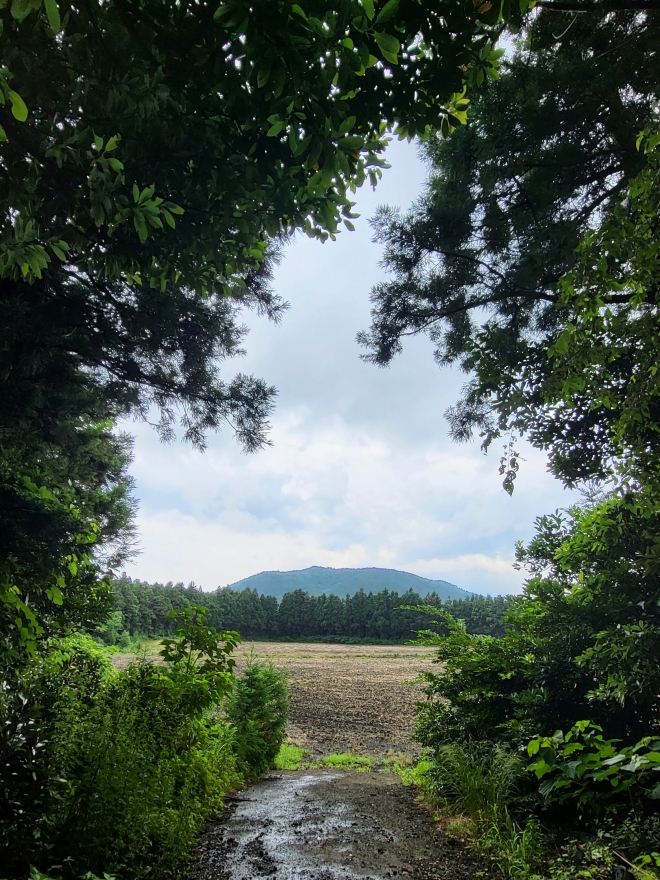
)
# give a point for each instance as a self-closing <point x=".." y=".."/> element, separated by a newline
<point x="328" y="825"/>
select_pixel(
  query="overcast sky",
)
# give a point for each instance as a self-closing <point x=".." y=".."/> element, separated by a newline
<point x="362" y="472"/>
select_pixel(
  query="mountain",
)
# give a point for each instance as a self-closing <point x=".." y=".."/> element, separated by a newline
<point x="342" y="581"/>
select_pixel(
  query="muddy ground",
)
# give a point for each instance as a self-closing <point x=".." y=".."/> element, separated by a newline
<point x="329" y="825"/>
<point x="346" y="698"/>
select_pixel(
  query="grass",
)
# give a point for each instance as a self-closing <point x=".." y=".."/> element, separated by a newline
<point x="290" y="757"/>
<point x="293" y="757"/>
<point x="348" y="762"/>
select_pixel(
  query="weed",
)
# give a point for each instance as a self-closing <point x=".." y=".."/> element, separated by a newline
<point x="348" y="761"/>
<point x="290" y="757"/>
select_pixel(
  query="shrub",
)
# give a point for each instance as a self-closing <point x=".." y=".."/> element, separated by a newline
<point x="258" y="710"/>
<point x="128" y="764"/>
<point x="596" y="773"/>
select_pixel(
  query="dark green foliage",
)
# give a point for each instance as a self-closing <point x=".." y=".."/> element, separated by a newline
<point x="142" y="610"/>
<point x="65" y="515"/>
<point x="258" y="709"/>
<point x="116" y="771"/>
<point x="582" y="766"/>
<point x="581" y="643"/>
<point x="549" y="151"/>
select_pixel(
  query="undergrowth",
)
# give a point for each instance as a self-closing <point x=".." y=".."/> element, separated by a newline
<point x="116" y="772"/>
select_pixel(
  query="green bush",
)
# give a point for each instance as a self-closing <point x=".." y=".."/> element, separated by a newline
<point x="594" y="772"/>
<point x="258" y="710"/>
<point x="116" y="771"/>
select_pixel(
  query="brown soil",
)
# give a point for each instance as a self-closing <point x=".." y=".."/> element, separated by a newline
<point x="327" y="825"/>
<point x="349" y="697"/>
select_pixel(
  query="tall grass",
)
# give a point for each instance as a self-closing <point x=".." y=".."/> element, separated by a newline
<point x="482" y="782"/>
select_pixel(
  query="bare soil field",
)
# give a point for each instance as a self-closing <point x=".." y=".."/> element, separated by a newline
<point x="346" y="698"/>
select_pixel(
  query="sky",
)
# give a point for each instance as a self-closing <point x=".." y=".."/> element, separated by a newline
<point x="362" y="471"/>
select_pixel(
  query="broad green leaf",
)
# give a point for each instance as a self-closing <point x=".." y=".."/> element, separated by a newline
<point x="389" y="46"/>
<point x="18" y="109"/>
<point x="53" y="14"/>
<point x="220" y="11"/>
<point x="299" y="11"/>
<point x="98" y="143"/>
<point x="20" y="9"/>
<point x="347" y="125"/>
<point x="368" y="6"/>
<point x="388" y="11"/>
<point x="3" y="134"/>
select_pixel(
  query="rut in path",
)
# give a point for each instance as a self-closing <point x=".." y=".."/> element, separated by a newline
<point x="328" y="825"/>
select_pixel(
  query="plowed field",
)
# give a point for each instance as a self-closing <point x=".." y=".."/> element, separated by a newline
<point x="349" y="697"/>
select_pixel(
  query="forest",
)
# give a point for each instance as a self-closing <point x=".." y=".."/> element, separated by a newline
<point x="141" y="610"/>
<point x="155" y="161"/>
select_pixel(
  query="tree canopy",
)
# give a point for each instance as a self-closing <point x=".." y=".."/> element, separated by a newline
<point x="152" y="150"/>
<point x="549" y="153"/>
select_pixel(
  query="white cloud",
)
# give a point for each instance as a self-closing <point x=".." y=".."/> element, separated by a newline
<point x="361" y="472"/>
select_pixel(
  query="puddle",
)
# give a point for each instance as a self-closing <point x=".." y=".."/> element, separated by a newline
<point x="327" y="825"/>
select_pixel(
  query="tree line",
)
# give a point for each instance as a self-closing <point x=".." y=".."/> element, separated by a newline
<point x="141" y="610"/>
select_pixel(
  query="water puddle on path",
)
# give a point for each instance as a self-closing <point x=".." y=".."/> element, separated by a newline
<point x="328" y="825"/>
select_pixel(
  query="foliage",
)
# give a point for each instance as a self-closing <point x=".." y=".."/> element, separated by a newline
<point x="584" y="766"/>
<point x="142" y="609"/>
<point x="139" y="201"/>
<point x="117" y="771"/>
<point x="65" y="516"/>
<point x="486" y="784"/>
<point x="604" y="362"/>
<point x="73" y="671"/>
<point x="581" y="642"/>
<point x="258" y="709"/>
<point x="475" y="780"/>
<point x="198" y="659"/>
<point x="479" y="264"/>
<point x="289" y="757"/>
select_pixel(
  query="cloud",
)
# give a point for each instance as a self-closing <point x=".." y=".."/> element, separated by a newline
<point x="361" y="472"/>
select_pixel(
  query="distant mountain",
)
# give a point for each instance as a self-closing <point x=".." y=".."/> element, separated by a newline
<point x="342" y="581"/>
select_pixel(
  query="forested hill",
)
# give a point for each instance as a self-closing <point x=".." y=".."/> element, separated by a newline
<point x="319" y="581"/>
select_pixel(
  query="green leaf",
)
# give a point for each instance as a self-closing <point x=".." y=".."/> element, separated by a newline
<point x="346" y="125"/>
<point x="299" y="11"/>
<point x="53" y="14"/>
<point x="388" y="11"/>
<point x="276" y="128"/>
<point x="389" y="46"/>
<point x="20" y="9"/>
<point x="368" y="6"/>
<point x="98" y="143"/>
<point x="18" y="109"/>
<point x="220" y="11"/>
<point x="3" y="134"/>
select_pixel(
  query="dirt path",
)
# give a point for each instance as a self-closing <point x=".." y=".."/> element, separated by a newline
<point x="328" y="825"/>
